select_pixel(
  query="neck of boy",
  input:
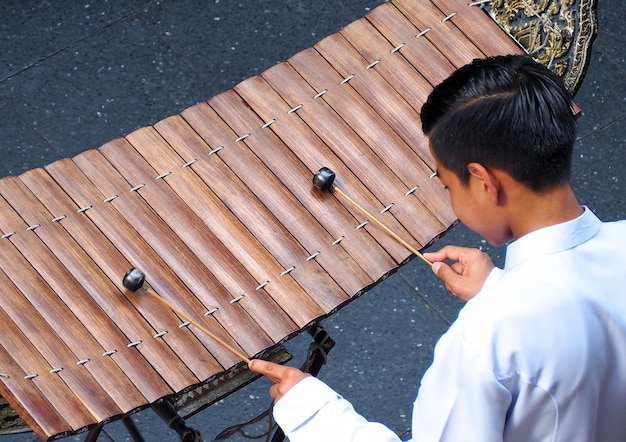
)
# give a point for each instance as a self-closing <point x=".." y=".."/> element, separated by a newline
<point x="536" y="210"/>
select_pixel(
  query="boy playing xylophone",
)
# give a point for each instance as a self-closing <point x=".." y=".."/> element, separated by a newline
<point x="538" y="352"/>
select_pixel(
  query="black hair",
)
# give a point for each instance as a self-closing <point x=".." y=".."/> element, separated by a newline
<point x="505" y="112"/>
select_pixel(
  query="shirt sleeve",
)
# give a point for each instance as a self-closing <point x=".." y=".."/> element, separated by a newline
<point x="459" y="399"/>
<point x="312" y="412"/>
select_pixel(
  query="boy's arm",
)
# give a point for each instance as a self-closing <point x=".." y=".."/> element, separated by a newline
<point x="459" y="399"/>
<point x="309" y="411"/>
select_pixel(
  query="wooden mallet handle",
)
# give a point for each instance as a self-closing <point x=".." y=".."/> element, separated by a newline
<point x="324" y="180"/>
<point x="134" y="280"/>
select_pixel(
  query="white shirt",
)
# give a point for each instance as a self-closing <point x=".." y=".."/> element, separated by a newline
<point x="538" y="355"/>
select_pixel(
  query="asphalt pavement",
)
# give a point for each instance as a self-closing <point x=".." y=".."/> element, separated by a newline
<point x="75" y="75"/>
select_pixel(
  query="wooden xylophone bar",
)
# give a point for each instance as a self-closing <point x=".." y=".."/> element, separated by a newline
<point x="216" y="206"/>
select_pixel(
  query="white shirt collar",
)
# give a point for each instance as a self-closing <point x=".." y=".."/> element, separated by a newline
<point x="553" y="239"/>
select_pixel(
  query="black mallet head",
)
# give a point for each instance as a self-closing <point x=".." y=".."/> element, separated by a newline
<point x="133" y="280"/>
<point x="324" y="179"/>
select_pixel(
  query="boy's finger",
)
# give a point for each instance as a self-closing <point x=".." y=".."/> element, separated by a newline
<point x="448" y="252"/>
<point x="446" y="274"/>
<point x="268" y="369"/>
<point x="444" y="271"/>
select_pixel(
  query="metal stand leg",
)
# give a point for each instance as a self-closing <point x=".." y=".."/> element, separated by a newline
<point x="168" y="413"/>
<point x="132" y="429"/>
<point x="317" y="357"/>
<point x="320" y="347"/>
<point x="94" y="433"/>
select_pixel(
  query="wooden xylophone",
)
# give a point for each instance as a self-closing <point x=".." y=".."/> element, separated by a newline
<point x="216" y="206"/>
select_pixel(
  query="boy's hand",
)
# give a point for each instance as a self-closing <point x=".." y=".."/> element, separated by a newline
<point x="283" y="377"/>
<point x="466" y="276"/>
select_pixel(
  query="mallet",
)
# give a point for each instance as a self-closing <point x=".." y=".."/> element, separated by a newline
<point x="134" y="280"/>
<point x="324" y="180"/>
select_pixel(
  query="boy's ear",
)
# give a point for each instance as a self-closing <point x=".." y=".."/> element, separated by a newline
<point x="487" y="180"/>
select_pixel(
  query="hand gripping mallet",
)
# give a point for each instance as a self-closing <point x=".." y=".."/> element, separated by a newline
<point x="324" y="180"/>
<point x="134" y="280"/>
